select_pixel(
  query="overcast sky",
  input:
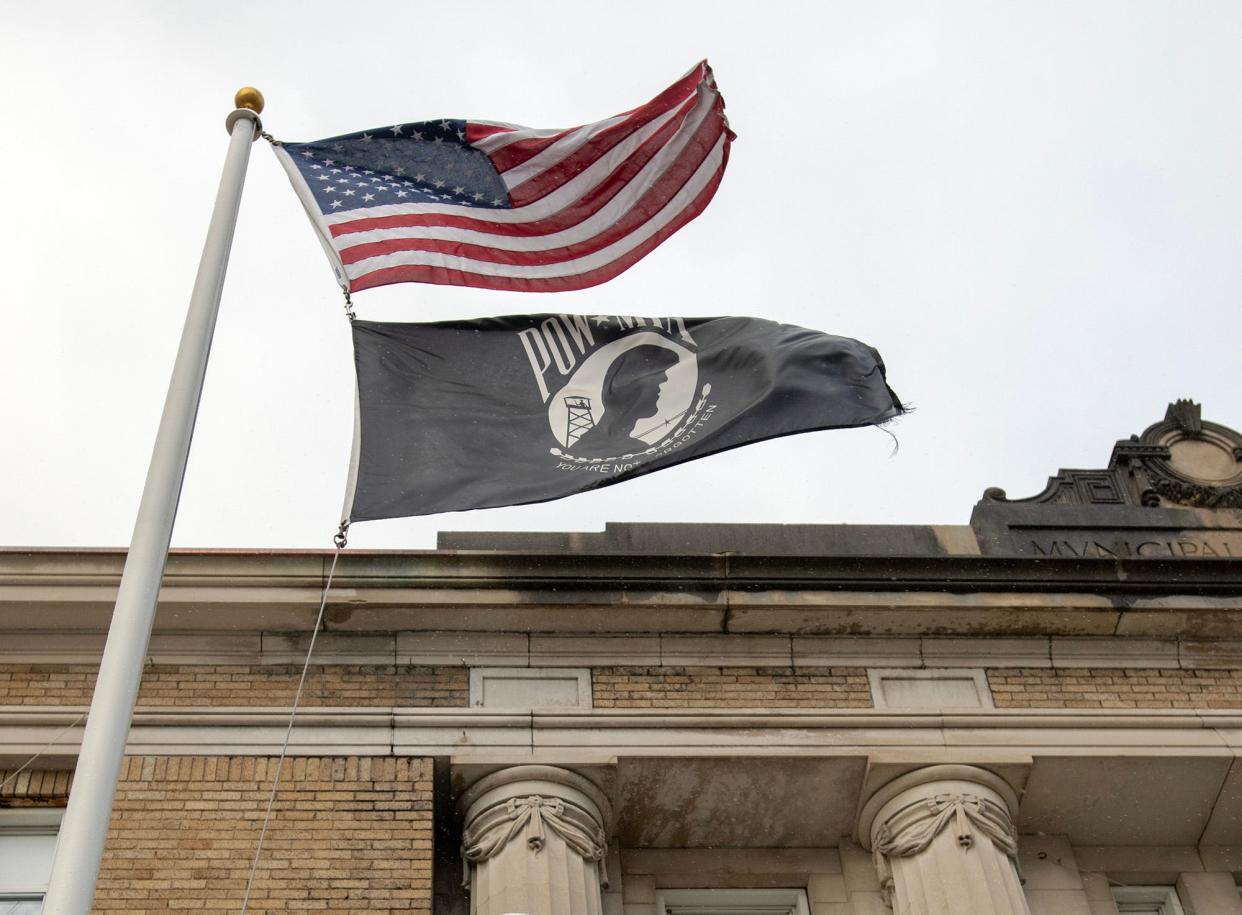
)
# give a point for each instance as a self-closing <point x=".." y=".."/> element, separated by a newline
<point x="1033" y="210"/>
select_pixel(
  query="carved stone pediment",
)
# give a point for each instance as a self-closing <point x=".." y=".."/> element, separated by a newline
<point x="1180" y="461"/>
<point x="1173" y="492"/>
<point x="1201" y="463"/>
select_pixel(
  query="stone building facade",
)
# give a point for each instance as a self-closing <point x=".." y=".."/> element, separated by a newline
<point x="1039" y="712"/>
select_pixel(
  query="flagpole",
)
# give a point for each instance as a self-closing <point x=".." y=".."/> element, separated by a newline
<point x="80" y="846"/>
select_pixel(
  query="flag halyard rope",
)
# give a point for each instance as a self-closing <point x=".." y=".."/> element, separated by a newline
<point x="47" y="746"/>
<point x="340" y="541"/>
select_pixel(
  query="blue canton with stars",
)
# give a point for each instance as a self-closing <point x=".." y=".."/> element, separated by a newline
<point x="426" y="162"/>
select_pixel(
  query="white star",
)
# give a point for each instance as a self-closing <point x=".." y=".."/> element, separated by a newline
<point x="495" y="201"/>
<point x="477" y="196"/>
<point x="366" y="138"/>
<point x="368" y="172"/>
<point x="314" y="167"/>
<point x="437" y="140"/>
<point x="415" y="135"/>
<point x="461" y="135"/>
<point x="376" y="180"/>
<point x="349" y="168"/>
<point x="338" y="147"/>
<point x="329" y="162"/>
<point x="368" y="197"/>
<point x="342" y="181"/>
<point x="308" y="154"/>
<point x="329" y="189"/>
<point x="445" y="125"/>
<point x="399" y="171"/>
<point x="459" y="190"/>
<point x="420" y="177"/>
<point x="396" y="130"/>
<point x="335" y="171"/>
<point x="335" y="204"/>
<point x="402" y="193"/>
<point x="349" y="193"/>
<point x="322" y="178"/>
<point x="600" y="320"/>
<point x="438" y="183"/>
<point x="361" y="184"/>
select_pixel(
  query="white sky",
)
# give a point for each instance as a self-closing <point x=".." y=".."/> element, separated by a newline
<point x="1033" y="210"/>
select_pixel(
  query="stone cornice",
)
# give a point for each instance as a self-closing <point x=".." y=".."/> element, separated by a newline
<point x="536" y="592"/>
<point x="431" y="569"/>
<point x="486" y="649"/>
<point x="600" y="735"/>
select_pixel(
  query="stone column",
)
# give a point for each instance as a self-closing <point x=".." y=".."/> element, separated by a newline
<point x="534" y="843"/>
<point x="944" y="843"/>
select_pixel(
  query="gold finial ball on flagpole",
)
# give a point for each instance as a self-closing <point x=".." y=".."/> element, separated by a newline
<point x="250" y="98"/>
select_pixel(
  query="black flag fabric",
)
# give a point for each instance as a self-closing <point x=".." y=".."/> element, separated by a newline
<point x="502" y="411"/>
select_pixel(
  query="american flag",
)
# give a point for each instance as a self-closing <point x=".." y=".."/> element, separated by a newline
<point x="497" y="206"/>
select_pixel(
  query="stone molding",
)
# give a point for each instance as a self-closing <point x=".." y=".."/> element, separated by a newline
<point x="482" y="649"/>
<point x="516" y="592"/>
<point x="597" y="735"/>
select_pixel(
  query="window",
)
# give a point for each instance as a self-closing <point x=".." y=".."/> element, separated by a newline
<point x="1147" y="900"/>
<point x="27" y="839"/>
<point x="732" y="902"/>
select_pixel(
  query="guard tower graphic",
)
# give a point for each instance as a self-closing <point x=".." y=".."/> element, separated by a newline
<point x="579" y="419"/>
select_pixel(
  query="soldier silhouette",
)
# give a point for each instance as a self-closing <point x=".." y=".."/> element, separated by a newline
<point x="630" y="392"/>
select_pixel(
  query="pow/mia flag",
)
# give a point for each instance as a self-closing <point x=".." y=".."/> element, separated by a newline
<point x="502" y="411"/>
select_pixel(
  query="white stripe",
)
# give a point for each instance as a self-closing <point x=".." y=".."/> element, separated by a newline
<point x="601" y="221"/>
<point x="623" y="200"/>
<point x="514" y="133"/>
<point x="706" y="171"/>
<point x="562" y="197"/>
<point x="558" y="151"/>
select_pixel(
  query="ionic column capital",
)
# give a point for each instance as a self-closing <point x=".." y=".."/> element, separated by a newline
<point x="970" y="797"/>
<point x="959" y="816"/>
<point x="534" y="840"/>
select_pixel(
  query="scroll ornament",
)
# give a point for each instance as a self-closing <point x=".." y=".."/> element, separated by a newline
<point x="531" y="817"/>
<point x="918" y="825"/>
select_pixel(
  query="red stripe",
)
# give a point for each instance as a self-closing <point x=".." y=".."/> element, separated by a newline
<point x="646" y="207"/>
<point x="573" y="214"/>
<point x="440" y="275"/>
<point x="556" y="175"/>
<point x="570" y="215"/>
<point x="476" y="132"/>
<point x="518" y="152"/>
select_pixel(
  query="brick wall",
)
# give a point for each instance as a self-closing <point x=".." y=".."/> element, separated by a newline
<point x="1108" y="688"/>
<point x="203" y="685"/>
<point x="366" y="686"/>
<point x="34" y="788"/>
<point x="730" y="687"/>
<point x="348" y="834"/>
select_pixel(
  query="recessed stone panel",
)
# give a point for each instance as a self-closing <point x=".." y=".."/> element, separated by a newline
<point x="943" y="687"/>
<point x="530" y="687"/>
<point x="1122" y="800"/>
<point x="737" y="802"/>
